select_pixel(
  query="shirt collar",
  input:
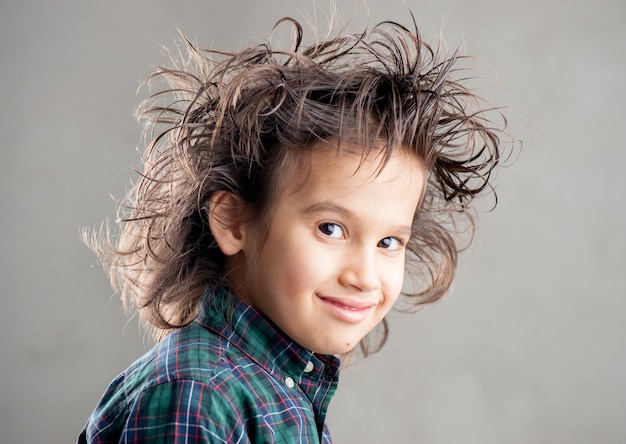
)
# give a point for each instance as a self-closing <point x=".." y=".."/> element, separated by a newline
<point x="259" y="338"/>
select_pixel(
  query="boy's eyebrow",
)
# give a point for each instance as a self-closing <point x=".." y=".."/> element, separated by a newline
<point x="328" y="207"/>
<point x="331" y="207"/>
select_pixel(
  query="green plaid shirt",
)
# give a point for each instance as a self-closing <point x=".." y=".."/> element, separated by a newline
<point x="229" y="377"/>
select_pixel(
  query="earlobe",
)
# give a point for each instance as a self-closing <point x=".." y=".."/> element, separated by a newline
<point x="226" y="221"/>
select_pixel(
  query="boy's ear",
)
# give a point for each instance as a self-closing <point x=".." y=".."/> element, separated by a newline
<point x="226" y="215"/>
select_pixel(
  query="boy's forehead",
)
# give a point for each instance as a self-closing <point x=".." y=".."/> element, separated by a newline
<point x="348" y="163"/>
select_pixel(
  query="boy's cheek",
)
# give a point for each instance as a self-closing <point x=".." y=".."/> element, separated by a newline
<point x="393" y="276"/>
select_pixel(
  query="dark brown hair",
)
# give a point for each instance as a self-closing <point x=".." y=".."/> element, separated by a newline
<point x="232" y="121"/>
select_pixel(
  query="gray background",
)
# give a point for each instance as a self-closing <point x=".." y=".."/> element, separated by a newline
<point x="529" y="347"/>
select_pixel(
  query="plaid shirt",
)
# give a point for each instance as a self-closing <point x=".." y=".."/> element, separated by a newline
<point x="217" y="381"/>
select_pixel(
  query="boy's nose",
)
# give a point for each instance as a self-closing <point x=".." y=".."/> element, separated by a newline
<point x="360" y="271"/>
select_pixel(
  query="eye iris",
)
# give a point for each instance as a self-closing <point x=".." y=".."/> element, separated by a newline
<point x="389" y="243"/>
<point x="325" y="228"/>
<point x="329" y="229"/>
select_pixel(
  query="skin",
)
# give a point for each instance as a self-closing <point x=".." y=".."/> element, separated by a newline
<point x="332" y="265"/>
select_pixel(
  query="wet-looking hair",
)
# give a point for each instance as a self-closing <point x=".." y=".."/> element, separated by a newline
<point x="234" y="121"/>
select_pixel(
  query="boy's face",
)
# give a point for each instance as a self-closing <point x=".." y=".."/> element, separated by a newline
<point x="332" y="265"/>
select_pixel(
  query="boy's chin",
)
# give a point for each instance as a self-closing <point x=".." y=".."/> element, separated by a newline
<point x="339" y="350"/>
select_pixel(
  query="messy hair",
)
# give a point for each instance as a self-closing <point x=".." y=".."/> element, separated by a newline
<point x="233" y="120"/>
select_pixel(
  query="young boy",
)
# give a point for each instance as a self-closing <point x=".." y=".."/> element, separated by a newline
<point x="270" y="231"/>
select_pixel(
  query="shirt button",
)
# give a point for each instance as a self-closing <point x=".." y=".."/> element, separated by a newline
<point x="290" y="383"/>
<point x="309" y="367"/>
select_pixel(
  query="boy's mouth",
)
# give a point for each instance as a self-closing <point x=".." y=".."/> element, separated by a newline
<point x="348" y="310"/>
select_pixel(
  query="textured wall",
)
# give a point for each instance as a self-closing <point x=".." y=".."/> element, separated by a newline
<point x="530" y="347"/>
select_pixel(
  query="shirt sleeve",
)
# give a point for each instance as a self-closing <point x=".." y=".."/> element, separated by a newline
<point x="184" y="412"/>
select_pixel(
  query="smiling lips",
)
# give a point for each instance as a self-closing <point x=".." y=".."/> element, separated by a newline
<point x="347" y="310"/>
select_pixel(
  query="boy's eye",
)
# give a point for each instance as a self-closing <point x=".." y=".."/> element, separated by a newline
<point x="331" y="230"/>
<point x="390" y="243"/>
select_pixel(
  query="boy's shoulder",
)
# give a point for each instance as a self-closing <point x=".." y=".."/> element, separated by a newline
<point x="191" y="353"/>
<point x="192" y="366"/>
<point x="190" y="359"/>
